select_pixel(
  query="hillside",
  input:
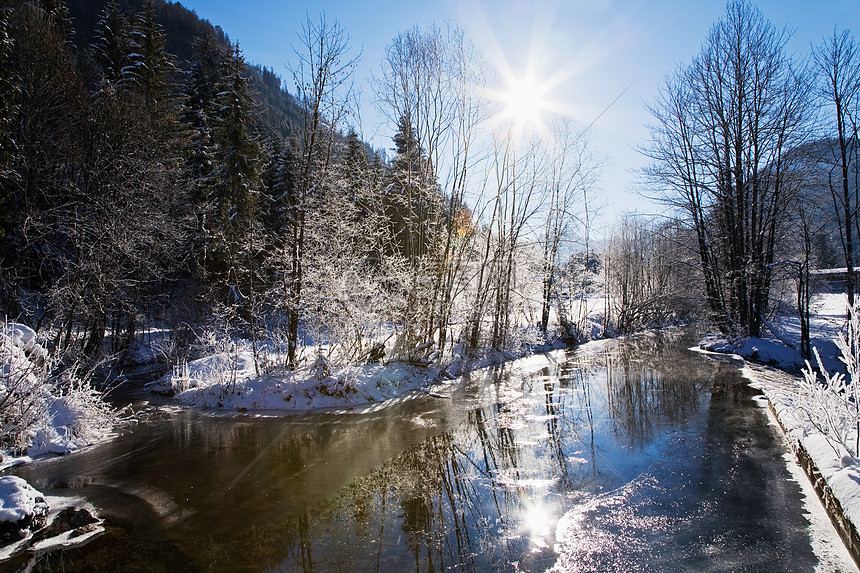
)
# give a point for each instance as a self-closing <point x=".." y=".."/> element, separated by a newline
<point x="278" y="109"/>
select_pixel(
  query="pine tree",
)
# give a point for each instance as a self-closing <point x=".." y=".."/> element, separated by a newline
<point x="202" y="109"/>
<point x="413" y="198"/>
<point x="112" y="43"/>
<point x="240" y="154"/>
<point x="151" y="68"/>
<point x="57" y="15"/>
<point x="279" y="183"/>
<point x="237" y="179"/>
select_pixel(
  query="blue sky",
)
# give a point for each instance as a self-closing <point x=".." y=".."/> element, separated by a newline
<point x="603" y="46"/>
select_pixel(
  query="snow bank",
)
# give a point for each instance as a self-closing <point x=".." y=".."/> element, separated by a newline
<point x="763" y="350"/>
<point x="22" y="509"/>
<point x="18" y="499"/>
<point x="229" y="380"/>
<point x="24" y="522"/>
<point x="828" y="312"/>
<point x="835" y="474"/>
<point x="819" y="418"/>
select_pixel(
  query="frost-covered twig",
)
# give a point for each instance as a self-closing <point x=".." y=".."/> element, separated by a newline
<point x="53" y="409"/>
<point x="833" y="403"/>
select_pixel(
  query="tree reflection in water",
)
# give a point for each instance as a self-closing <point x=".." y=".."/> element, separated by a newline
<point x="487" y="494"/>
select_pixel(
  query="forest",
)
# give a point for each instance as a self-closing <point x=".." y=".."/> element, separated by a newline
<point x="158" y="190"/>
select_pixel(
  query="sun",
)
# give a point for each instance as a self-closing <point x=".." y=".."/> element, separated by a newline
<point x="525" y="102"/>
<point x="536" y="521"/>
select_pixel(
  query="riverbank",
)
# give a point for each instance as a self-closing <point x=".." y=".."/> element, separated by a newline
<point x="234" y="381"/>
<point x="818" y="417"/>
<point x="834" y="475"/>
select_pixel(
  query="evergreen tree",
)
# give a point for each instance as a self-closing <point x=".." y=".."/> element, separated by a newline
<point x="354" y="165"/>
<point x="151" y="68"/>
<point x="414" y="201"/>
<point x="279" y="183"/>
<point x="112" y="43"/>
<point x="237" y="180"/>
<point x="57" y="15"/>
<point x="202" y="108"/>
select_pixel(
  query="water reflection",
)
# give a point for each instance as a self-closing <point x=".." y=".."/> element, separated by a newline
<point x="585" y="463"/>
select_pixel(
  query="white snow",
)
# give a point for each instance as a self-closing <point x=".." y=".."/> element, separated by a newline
<point x="18" y="499"/>
<point x="827" y="317"/>
<point x="44" y="412"/>
<point x="229" y="380"/>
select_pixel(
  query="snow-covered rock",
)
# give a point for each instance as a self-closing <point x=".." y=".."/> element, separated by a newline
<point x="22" y="509"/>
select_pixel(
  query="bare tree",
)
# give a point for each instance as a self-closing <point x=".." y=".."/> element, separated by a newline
<point x="427" y="87"/>
<point x="724" y="125"/>
<point x="520" y="167"/>
<point x="837" y="61"/>
<point x="571" y="174"/>
<point x="649" y="278"/>
<point x="322" y="78"/>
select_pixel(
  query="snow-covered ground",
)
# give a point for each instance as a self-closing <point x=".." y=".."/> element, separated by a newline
<point x="827" y="319"/>
<point x="230" y="381"/>
<point x="44" y="410"/>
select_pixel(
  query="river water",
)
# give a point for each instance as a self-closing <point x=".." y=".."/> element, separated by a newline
<point x="628" y="455"/>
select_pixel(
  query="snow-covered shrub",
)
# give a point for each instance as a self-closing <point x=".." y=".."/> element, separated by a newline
<point x="41" y="408"/>
<point x="272" y="354"/>
<point x="78" y="416"/>
<point x="527" y="338"/>
<point x="172" y="347"/>
<point x="226" y="363"/>
<point x="25" y="399"/>
<point x="833" y="403"/>
<point x="346" y="311"/>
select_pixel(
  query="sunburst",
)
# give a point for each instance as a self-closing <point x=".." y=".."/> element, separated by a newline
<point x="533" y="71"/>
<point x="525" y="103"/>
<point x="523" y="97"/>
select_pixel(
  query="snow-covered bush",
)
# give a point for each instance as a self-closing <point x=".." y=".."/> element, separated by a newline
<point x="833" y="403"/>
<point x="227" y="362"/>
<point x="43" y="409"/>
<point x="79" y="415"/>
<point x="24" y="397"/>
